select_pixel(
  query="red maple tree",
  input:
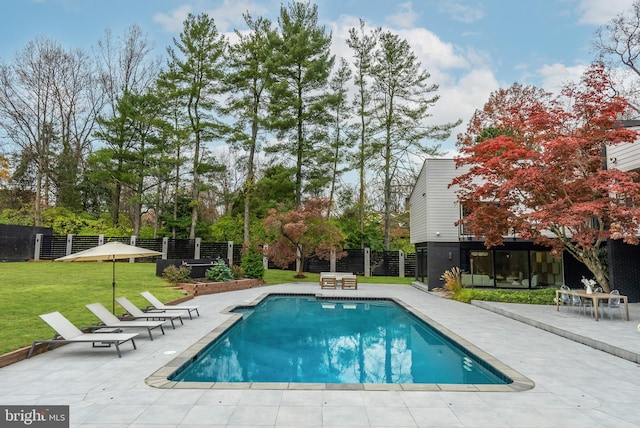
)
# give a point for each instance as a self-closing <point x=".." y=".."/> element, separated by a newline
<point x="535" y="168"/>
<point x="301" y="233"/>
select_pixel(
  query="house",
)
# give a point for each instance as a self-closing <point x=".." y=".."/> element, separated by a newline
<point x="517" y="264"/>
<point x="441" y="245"/>
<point x="624" y="259"/>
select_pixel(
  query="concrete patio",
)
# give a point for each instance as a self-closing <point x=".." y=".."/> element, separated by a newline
<point x="575" y="384"/>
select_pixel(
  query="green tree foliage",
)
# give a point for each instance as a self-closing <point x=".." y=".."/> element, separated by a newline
<point x="251" y="263"/>
<point x="368" y="234"/>
<point x="135" y="143"/>
<point x="363" y="45"/>
<point x="195" y="74"/>
<point x="276" y="187"/>
<point x="226" y="228"/>
<point x="251" y="63"/>
<point x="303" y="63"/>
<point x="340" y="136"/>
<point x="402" y="99"/>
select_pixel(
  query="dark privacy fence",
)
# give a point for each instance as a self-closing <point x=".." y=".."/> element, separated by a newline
<point x="29" y="243"/>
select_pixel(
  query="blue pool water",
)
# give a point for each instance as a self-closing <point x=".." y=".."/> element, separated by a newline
<point x="308" y="340"/>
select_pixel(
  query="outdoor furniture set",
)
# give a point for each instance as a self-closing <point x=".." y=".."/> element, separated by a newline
<point x="110" y="330"/>
<point x="333" y="279"/>
<point x="581" y="300"/>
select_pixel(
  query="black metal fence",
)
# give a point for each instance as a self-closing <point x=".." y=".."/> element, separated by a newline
<point x="382" y="263"/>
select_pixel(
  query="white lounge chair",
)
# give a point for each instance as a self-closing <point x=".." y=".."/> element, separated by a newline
<point x="158" y="305"/>
<point x="66" y="332"/>
<point x="111" y="321"/>
<point x="135" y="312"/>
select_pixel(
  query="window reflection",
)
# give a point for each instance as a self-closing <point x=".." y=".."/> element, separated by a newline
<point x="511" y="269"/>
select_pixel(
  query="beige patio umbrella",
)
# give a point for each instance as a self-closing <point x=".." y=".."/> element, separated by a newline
<point x="110" y="251"/>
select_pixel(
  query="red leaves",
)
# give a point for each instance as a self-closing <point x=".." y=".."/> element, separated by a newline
<point x="302" y="232"/>
<point x="536" y="167"/>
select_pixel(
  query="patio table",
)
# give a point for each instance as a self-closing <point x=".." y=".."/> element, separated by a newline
<point x="595" y="297"/>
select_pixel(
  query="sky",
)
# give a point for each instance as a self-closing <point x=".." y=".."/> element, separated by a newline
<point x="470" y="47"/>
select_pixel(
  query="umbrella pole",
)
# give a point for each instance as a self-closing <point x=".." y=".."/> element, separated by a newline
<point x="113" y="287"/>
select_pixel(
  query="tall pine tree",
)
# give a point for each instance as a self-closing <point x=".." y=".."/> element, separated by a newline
<point x="402" y="99"/>
<point x="196" y="71"/>
<point x="303" y="65"/>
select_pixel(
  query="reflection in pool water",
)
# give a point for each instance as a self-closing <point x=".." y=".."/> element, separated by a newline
<point x="301" y="339"/>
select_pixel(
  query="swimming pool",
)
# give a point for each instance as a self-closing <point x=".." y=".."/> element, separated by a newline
<point x="306" y="339"/>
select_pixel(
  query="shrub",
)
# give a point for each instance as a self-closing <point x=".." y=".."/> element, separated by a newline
<point x="452" y="280"/>
<point x="542" y="296"/>
<point x="252" y="266"/>
<point x="219" y="272"/>
<point x="237" y="271"/>
<point x="173" y="274"/>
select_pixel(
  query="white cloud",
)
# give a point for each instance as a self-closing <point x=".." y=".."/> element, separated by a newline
<point x="599" y="12"/>
<point x="227" y="16"/>
<point x="173" y="21"/>
<point x="461" y="98"/>
<point x="462" y="73"/>
<point x="405" y="18"/>
<point x="434" y="53"/>
<point x="554" y="76"/>
<point x="461" y="10"/>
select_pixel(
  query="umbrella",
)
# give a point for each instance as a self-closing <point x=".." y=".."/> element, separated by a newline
<point x="110" y="251"/>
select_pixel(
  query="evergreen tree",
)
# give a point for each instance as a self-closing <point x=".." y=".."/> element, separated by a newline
<point x="248" y="85"/>
<point x="135" y="139"/>
<point x="303" y="65"/>
<point x="363" y="45"/>
<point x="402" y="99"/>
<point x="339" y="131"/>
<point x="195" y="72"/>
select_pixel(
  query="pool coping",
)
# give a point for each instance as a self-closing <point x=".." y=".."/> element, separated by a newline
<point x="159" y="379"/>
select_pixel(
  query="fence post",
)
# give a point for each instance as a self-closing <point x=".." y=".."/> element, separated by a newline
<point x="332" y="261"/>
<point x="38" y="247"/>
<point x="133" y="241"/>
<point x="165" y="247"/>
<point x="367" y="262"/>
<point x="401" y="263"/>
<point x="230" y="252"/>
<point x="265" y="260"/>
<point x="69" y="244"/>
<point x="100" y="239"/>
<point x="196" y="252"/>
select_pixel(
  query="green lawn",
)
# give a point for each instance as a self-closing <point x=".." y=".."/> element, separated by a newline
<point x="32" y="288"/>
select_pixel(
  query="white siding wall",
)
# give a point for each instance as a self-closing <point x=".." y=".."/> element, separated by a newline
<point x="418" y="209"/>
<point x="625" y="156"/>
<point x="434" y="207"/>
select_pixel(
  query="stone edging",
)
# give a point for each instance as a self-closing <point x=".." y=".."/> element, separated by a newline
<point x="201" y="288"/>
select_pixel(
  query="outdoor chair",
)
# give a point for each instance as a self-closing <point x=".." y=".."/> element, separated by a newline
<point x="158" y="305"/>
<point x="588" y="303"/>
<point x="349" y="282"/>
<point x="328" y="282"/>
<point x="111" y="321"/>
<point x="565" y="297"/>
<point x="66" y="332"/>
<point x="613" y="303"/>
<point x="576" y="302"/>
<point x="136" y="313"/>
